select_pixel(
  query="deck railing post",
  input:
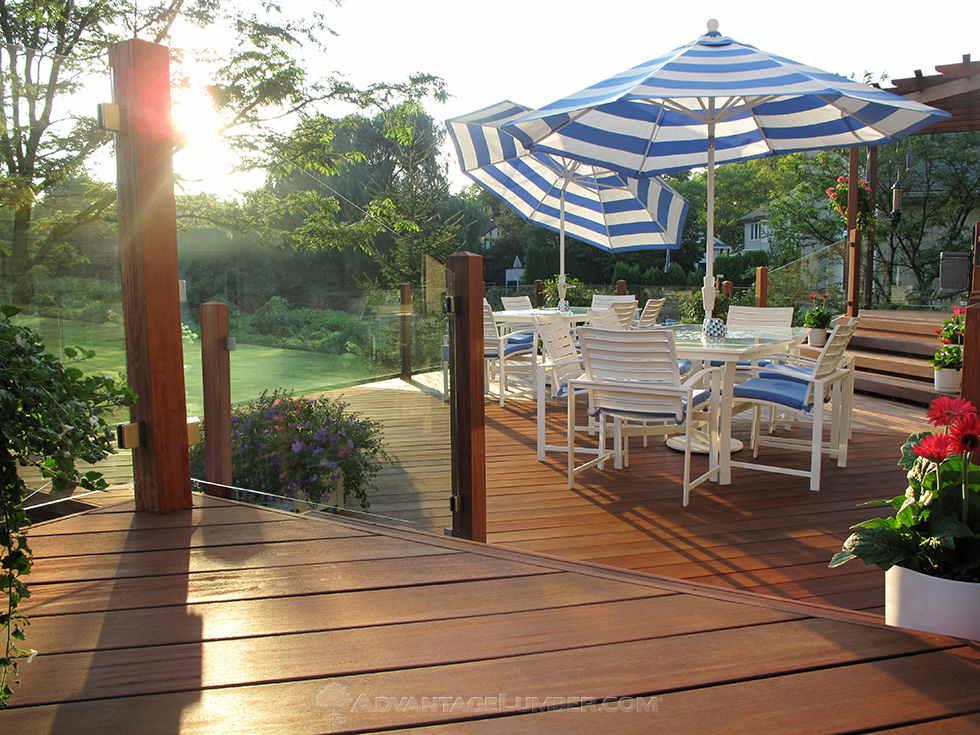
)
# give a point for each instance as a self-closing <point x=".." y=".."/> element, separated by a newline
<point x="853" y="260"/>
<point x="726" y="288"/>
<point x="538" y="293"/>
<point x="467" y="414"/>
<point x="620" y="287"/>
<point x="761" y="286"/>
<point x="406" y="330"/>
<point x="216" y="376"/>
<point x="975" y="283"/>
<point x="148" y="254"/>
<point x="970" y="384"/>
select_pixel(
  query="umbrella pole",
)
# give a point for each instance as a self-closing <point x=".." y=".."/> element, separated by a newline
<point x="708" y="291"/>
<point x="562" y="288"/>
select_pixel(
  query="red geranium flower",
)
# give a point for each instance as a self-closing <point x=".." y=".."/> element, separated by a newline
<point x="935" y="447"/>
<point x="945" y="410"/>
<point x="966" y="434"/>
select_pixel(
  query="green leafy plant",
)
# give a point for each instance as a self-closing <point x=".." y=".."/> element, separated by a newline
<point x="948" y="356"/>
<point x="53" y="416"/>
<point x="951" y="334"/>
<point x="935" y="528"/>
<point x="692" y="307"/>
<point x="304" y="448"/>
<point x="818" y="317"/>
<point x="576" y="292"/>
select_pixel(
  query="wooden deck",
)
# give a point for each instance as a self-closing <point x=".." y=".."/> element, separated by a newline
<point x="231" y="618"/>
<point x="765" y="533"/>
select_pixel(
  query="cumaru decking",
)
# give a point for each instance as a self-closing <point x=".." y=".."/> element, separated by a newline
<point x="230" y="618"/>
<point x="765" y="533"/>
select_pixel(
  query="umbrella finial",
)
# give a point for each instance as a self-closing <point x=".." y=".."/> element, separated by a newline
<point x="712" y="26"/>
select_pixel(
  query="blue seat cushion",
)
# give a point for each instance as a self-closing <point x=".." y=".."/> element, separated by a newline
<point x="700" y="396"/>
<point x="787" y="393"/>
<point x="743" y="363"/>
<point x="684" y="366"/>
<point x="509" y="349"/>
<point x="521" y="339"/>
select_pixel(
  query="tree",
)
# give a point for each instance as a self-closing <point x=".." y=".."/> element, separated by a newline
<point x="51" y="49"/>
<point x="942" y="187"/>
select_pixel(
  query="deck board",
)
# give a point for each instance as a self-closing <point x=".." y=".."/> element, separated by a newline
<point x="249" y="646"/>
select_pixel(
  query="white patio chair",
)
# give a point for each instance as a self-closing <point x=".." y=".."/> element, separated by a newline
<point x="650" y="314"/>
<point x="516" y="303"/>
<point x="804" y="390"/>
<point x="500" y="349"/>
<point x="632" y="378"/>
<point x="562" y="361"/>
<point x="605" y="319"/>
<point x="604" y="301"/>
<point x="759" y="319"/>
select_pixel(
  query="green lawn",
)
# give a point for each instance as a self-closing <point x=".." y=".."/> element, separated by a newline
<point x="253" y="368"/>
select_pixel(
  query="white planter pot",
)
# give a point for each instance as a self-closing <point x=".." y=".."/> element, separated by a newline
<point x="947" y="380"/>
<point x="817" y="337"/>
<point x="931" y="604"/>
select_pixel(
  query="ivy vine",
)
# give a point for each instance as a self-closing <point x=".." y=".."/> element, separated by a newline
<point x="53" y="415"/>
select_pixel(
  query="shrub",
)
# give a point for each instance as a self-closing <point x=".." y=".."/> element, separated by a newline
<point x="302" y="448"/>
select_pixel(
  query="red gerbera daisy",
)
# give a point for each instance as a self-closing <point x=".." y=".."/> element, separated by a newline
<point x="935" y="447"/>
<point x="944" y="411"/>
<point x="966" y="434"/>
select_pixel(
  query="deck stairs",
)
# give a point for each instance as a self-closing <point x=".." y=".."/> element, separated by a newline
<point x="892" y="349"/>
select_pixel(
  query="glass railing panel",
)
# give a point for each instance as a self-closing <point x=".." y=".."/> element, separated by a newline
<point x="328" y="411"/>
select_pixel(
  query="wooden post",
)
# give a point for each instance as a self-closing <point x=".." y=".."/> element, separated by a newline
<point x="970" y="384"/>
<point x="406" y="330"/>
<point x="620" y="287"/>
<point x="148" y="252"/>
<point x="853" y="257"/>
<point x="467" y="422"/>
<point x="869" y="265"/>
<point x="538" y="293"/>
<point x="216" y="375"/>
<point x="726" y="288"/>
<point x="761" y="286"/>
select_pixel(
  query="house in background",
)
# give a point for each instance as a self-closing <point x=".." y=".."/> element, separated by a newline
<point x="490" y="236"/>
<point x="515" y="274"/>
<point x="756" y="232"/>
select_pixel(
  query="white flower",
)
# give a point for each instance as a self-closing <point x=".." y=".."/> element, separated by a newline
<point x="93" y="421"/>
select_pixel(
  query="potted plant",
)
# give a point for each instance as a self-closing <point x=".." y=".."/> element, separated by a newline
<point x="948" y="361"/>
<point x="930" y="546"/>
<point x="53" y="416"/>
<point x="817" y="319"/>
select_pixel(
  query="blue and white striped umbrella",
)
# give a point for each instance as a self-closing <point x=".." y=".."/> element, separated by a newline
<point x="711" y="101"/>
<point x="592" y="204"/>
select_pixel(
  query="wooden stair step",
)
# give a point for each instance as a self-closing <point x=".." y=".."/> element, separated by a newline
<point x="905" y="389"/>
<point x="905" y="344"/>
<point x="903" y="322"/>
<point x="900" y="365"/>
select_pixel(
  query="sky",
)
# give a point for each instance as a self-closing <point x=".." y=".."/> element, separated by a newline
<point x="534" y="52"/>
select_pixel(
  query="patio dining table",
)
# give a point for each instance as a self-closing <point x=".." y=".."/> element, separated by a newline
<point x="729" y="350"/>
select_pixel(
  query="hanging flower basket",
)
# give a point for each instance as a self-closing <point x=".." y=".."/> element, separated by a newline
<point x="866" y="204"/>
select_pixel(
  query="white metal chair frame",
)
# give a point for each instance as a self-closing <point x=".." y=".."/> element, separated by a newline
<point x="605" y="319"/>
<point x="632" y="378"/>
<point x="500" y="349"/>
<point x="829" y="377"/>
<point x="561" y="359"/>
<point x="650" y="314"/>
